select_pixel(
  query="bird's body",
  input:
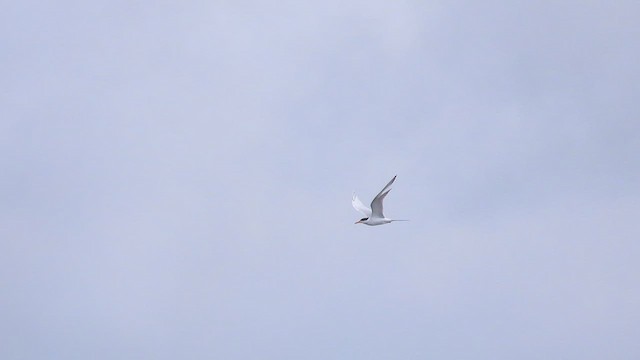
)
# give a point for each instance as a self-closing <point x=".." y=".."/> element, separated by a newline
<point x="374" y="214"/>
<point x="375" y="221"/>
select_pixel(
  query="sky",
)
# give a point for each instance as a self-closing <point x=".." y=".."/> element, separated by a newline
<point x="177" y="176"/>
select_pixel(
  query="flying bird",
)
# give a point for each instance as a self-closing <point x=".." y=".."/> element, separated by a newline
<point x="373" y="215"/>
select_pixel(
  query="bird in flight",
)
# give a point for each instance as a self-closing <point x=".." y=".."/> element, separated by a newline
<point x="373" y="215"/>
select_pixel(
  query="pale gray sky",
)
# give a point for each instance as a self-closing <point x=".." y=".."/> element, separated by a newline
<point x="177" y="177"/>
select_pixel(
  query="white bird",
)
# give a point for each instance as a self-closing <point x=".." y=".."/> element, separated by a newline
<point x="374" y="214"/>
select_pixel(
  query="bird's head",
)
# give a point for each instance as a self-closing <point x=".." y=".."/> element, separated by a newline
<point x="362" y="220"/>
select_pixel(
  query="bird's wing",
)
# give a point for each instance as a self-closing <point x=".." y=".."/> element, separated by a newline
<point x="358" y="205"/>
<point x="376" y="204"/>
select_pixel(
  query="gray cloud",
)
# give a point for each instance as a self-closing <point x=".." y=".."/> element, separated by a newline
<point x="177" y="179"/>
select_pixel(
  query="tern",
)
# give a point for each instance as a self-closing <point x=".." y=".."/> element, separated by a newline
<point x="373" y="215"/>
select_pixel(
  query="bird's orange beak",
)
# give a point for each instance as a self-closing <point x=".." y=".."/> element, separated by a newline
<point x="357" y="222"/>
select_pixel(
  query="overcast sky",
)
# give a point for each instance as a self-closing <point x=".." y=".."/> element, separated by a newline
<point x="176" y="179"/>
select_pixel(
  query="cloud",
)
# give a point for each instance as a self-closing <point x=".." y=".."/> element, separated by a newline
<point x="177" y="180"/>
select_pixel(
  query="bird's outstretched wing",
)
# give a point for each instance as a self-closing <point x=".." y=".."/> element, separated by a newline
<point x="376" y="204"/>
<point x="358" y="205"/>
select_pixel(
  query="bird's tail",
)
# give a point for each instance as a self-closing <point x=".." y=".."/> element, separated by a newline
<point x="399" y="220"/>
